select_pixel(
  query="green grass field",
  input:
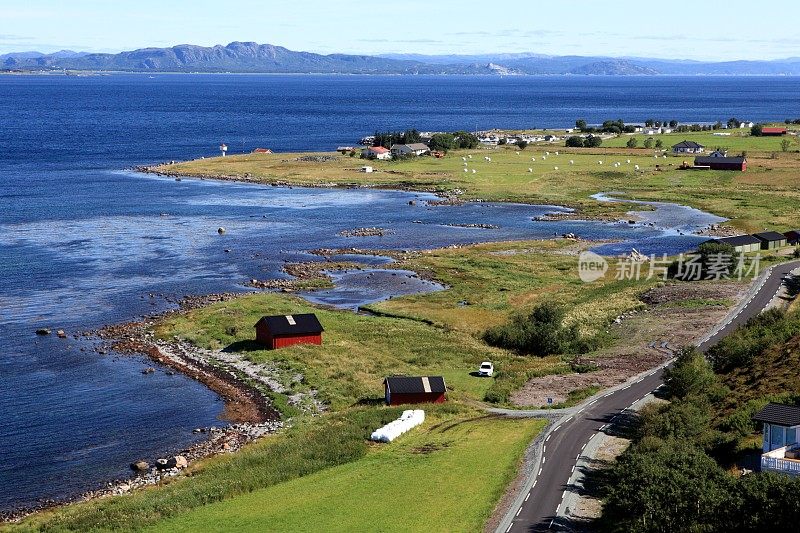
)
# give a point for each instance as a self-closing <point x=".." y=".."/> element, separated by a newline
<point x="446" y="476"/>
<point x="736" y="142"/>
<point x="324" y="475"/>
<point x="764" y="196"/>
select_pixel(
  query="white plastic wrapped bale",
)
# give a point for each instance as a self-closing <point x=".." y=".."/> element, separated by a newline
<point x="407" y="421"/>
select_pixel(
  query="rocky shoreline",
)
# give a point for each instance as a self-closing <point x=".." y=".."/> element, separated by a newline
<point x="248" y="408"/>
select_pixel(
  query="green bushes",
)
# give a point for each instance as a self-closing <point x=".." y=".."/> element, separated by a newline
<point x="542" y="332"/>
<point x="673" y="477"/>
<point x="759" y="334"/>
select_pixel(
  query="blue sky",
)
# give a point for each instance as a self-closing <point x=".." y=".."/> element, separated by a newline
<point x="702" y="29"/>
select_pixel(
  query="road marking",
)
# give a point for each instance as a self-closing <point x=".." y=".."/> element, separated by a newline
<point x="540" y="472"/>
<point x="579" y="455"/>
<point x="563" y="495"/>
<point x="548" y="438"/>
<point x="568" y="419"/>
<point x="519" y="511"/>
<point x="534" y="484"/>
<point x="544" y="450"/>
<point x="529" y="494"/>
<point x="556" y="428"/>
<point x="509" y="528"/>
<point x="544" y="459"/>
<point x="573" y="467"/>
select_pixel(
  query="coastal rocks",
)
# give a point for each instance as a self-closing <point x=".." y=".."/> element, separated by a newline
<point x="221" y="230"/>
<point x="177" y="461"/>
<point x="43" y="331"/>
<point x="148" y="370"/>
<point x="61" y="334"/>
<point x="365" y="232"/>
<point x="140" y="466"/>
<point x="480" y="226"/>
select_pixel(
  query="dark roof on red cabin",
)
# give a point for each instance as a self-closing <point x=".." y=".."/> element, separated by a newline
<point x="792" y="233"/>
<point x="780" y="415"/>
<point x="415" y="385"/>
<point x="717" y="160"/>
<point x="770" y="236"/>
<point x="304" y="324"/>
<point x="738" y="240"/>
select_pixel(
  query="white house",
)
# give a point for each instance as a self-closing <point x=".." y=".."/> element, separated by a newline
<point x="781" y="438"/>
<point x="410" y="149"/>
<point x="718" y="153"/>
<point x="688" y="147"/>
<point x="376" y="152"/>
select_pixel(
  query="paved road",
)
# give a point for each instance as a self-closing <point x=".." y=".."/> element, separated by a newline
<point x="566" y="441"/>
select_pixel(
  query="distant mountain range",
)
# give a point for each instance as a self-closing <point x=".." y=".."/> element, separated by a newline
<point x="267" y="58"/>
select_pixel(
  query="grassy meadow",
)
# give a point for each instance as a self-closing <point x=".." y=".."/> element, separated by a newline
<point x="764" y="196"/>
<point x="324" y="472"/>
<point x="447" y="476"/>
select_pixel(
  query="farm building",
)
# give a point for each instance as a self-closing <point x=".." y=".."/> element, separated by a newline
<point x="721" y="163"/>
<point x="688" y="147"/>
<point x="410" y="149"/>
<point x="771" y="240"/>
<point x="426" y="389"/>
<point x="793" y="236"/>
<point x="773" y="132"/>
<point x="280" y="331"/>
<point x="781" y="438"/>
<point x="740" y="243"/>
<point x="376" y="152"/>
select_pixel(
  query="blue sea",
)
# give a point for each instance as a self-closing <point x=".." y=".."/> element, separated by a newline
<point x="86" y="242"/>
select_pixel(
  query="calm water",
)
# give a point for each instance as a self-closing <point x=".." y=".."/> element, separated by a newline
<point x="84" y="243"/>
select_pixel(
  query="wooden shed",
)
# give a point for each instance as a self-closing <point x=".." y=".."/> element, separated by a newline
<point x="771" y="240"/>
<point x="424" y="389"/>
<point x="740" y="243"/>
<point x="793" y="236"/>
<point x="280" y="331"/>
<point x="721" y="163"/>
<point x="773" y="131"/>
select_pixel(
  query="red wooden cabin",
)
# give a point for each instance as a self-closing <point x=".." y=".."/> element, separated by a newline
<point x="772" y="131"/>
<point x="285" y="330"/>
<point x="425" y="389"/>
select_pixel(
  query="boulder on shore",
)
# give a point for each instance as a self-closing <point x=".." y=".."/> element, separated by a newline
<point x="140" y="466"/>
<point x="43" y="331"/>
<point x="61" y="334"/>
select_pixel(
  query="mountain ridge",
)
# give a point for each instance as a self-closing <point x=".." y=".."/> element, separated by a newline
<point x="251" y="57"/>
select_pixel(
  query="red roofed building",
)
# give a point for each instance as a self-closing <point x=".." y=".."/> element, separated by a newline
<point x="376" y="152"/>
<point x="773" y="131"/>
<point x="262" y="151"/>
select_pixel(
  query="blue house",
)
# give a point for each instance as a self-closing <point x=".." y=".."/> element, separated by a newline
<point x="781" y="438"/>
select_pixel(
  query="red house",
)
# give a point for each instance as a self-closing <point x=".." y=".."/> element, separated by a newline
<point x="285" y="330"/>
<point x="262" y="151"/>
<point x="425" y="389"/>
<point x="773" y="131"/>
<point x="721" y="163"/>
